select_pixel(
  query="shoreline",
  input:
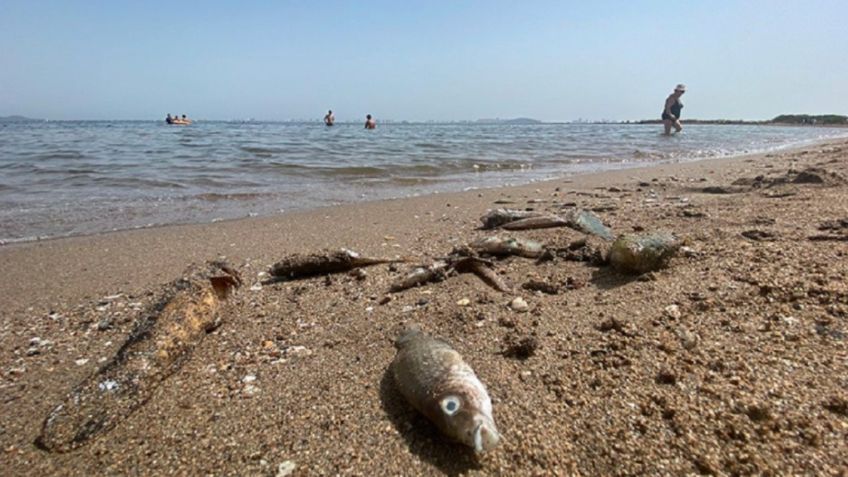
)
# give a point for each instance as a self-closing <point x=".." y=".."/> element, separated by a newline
<point x="719" y="363"/>
<point x="51" y="250"/>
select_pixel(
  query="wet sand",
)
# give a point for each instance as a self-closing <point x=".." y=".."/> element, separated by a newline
<point x="733" y="360"/>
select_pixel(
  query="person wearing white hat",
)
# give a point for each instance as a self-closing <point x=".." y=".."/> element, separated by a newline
<point x="671" y="112"/>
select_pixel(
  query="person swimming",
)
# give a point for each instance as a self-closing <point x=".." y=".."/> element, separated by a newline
<point x="370" y="123"/>
<point x="329" y="119"/>
<point x="169" y="119"/>
<point x="671" y="111"/>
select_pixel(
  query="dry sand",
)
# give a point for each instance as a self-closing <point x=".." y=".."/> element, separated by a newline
<point x="733" y="360"/>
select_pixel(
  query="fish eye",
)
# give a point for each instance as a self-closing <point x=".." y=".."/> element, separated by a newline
<point x="450" y="405"/>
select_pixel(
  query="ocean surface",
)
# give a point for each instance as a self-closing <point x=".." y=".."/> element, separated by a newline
<point x="63" y="178"/>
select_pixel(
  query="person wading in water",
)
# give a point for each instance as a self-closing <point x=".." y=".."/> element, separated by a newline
<point x="671" y="112"/>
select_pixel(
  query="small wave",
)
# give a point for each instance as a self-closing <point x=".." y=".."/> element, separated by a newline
<point x="188" y="143"/>
<point x="221" y="182"/>
<point x="429" y="169"/>
<point x="14" y="240"/>
<point x="641" y="155"/>
<point x="430" y="146"/>
<point x="59" y="155"/>
<point x="215" y="197"/>
<point x="70" y="171"/>
<point x="138" y="183"/>
<point x="410" y="181"/>
<point x="38" y="171"/>
<point x="341" y="171"/>
<point x="261" y="151"/>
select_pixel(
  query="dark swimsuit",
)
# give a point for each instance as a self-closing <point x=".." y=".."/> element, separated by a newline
<point x="675" y="110"/>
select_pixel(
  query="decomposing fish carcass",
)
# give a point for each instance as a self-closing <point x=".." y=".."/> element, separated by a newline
<point x="421" y="275"/>
<point x="438" y="383"/>
<point x="301" y="266"/>
<point x="593" y="250"/>
<point x="587" y="222"/>
<point x="642" y="253"/>
<point x="461" y="260"/>
<point x="483" y="269"/>
<point x="163" y="339"/>
<point x="537" y="222"/>
<point x="501" y="246"/>
<point x="498" y="217"/>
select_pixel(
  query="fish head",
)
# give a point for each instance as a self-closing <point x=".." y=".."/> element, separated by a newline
<point x="463" y="418"/>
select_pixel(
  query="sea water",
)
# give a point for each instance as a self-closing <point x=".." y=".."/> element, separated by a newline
<point x="80" y="177"/>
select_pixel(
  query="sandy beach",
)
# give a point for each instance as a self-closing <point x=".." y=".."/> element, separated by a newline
<point x="731" y="361"/>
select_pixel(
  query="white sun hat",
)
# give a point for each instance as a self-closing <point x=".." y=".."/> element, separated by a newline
<point x="680" y="87"/>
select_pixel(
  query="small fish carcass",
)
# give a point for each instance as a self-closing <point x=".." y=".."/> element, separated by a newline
<point x="437" y="382"/>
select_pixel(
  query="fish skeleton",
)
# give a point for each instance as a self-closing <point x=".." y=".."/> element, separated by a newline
<point x="438" y="383"/>
<point x="160" y="344"/>
<point x="301" y="266"/>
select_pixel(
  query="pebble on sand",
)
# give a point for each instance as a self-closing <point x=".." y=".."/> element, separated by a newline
<point x="286" y="468"/>
<point x="518" y="304"/>
<point x="673" y="311"/>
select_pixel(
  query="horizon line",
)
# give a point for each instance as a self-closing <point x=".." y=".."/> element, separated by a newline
<point x="392" y="120"/>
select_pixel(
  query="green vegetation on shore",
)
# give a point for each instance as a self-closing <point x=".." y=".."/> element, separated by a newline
<point x="808" y="119"/>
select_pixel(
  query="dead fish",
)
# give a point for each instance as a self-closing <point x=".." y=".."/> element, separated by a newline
<point x="498" y="217"/>
<point x="481" y="268"/>
<point x="160" y="344"/>
<point x="509" y="246"/>
<point x="421" y="275"/>
<point x="537" y="222"/>
<point x="587" y="222"/>
<point x="436" y="381"/>
<point x="300" y="266"/>
<point x="593" y="250"/>
<point x="453" y="263"/>
<point x="642" y="253"/>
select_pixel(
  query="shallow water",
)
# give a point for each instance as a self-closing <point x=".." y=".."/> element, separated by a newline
<point x="78" y="177"/>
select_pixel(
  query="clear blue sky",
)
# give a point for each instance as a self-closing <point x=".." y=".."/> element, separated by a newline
<point x="414" y="60"/>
